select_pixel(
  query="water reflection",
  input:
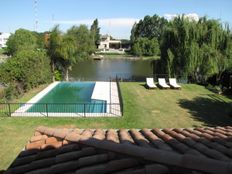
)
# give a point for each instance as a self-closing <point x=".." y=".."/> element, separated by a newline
<point x="104" y="69"/>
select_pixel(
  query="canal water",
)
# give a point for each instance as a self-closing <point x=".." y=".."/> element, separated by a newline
<point x="125" y="69"/>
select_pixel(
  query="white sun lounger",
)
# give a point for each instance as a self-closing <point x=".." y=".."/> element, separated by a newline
<point x="150" y="83"/>
<point x="173" y="84"/>
<point x="162" y="83"/>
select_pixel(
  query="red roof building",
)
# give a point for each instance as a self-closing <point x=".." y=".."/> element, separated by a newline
<point x="133" y="151"/>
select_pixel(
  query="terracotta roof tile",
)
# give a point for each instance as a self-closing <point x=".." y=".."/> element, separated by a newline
<point x="51" y="140"/>
<point x="94" y="159"/>
<point x="160" y="169"/>
<point x="37" y="133"/>
<point x="72" y="136"/>
<point x="139" y="138"/>
<point x="86" y="134"/>
<point x="99" y="134"/>
<point x="35" y="145"/>
<point x="61" y="133"/>
<point x="125" y="137"/>
<point x="135" y="151"/>
<point x="112" y="135"/>
<point x="38" y="137"/>
<point x="51" y="145"/>
<point x="156" y="141"/>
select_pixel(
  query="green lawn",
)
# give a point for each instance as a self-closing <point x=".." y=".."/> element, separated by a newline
<point x="192" y="106"/>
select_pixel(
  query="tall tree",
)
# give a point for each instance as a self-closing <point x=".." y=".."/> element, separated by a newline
<point x="95" y="30"/>
<point x="195" y="48"/>
<point x="55" y="39"/>
<point x="67" y="51"/>
<point x="66" y="48"/>
<point x="83" y="40"/>
<point x="21" y="40"/>
<point x="150" y="29"/>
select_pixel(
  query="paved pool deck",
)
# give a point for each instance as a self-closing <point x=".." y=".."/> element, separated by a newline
<point x="106" y="91"/>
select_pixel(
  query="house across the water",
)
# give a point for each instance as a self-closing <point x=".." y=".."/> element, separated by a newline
<point x="109" y="44"/>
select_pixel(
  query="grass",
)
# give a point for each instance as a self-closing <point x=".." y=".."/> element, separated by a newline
<point x="192" y="106"/>
<point x="150" y="57"/>
<point x="126" y="56"/>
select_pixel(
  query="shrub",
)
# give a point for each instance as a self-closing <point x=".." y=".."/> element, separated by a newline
<point x="26" y="70"/>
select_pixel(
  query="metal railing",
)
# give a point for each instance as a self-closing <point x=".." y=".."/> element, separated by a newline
<point x="124" y="77"/>
<point x="119" y="95"/>
<point x="60" y="109"/>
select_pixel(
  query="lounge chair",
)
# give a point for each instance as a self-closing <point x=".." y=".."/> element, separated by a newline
<point x="162" y="83"/>
<point x="173" y="84"/>
<point x="150" y="83"/>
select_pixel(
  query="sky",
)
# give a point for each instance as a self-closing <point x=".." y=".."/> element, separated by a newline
<point x="116" y="17"/>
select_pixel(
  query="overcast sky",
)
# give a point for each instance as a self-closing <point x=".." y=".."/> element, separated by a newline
<point x="116" y="17"/>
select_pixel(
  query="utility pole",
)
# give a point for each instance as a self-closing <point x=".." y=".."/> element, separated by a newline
<point x="36" y="15"/>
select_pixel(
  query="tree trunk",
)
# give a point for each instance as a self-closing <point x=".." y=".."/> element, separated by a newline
<point x="66" y="74"/>
<point x="53" y="71"/>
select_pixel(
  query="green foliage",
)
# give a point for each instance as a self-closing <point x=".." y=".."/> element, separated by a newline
<point x="58" y="75"/>
<point x="150" y="27"/>
<point x="198" y="49"/>
<point x="10" y="92"/>
<point x="83" y="40"/>
<point x="65" y="49"/>
<point x="21" y="40"/>
<point x="146" y="34"/>
<point x="95" y="32"/>
<point x="145" y="47"/>
<point x="40" y="39"/>
<point x="26" y="70"/>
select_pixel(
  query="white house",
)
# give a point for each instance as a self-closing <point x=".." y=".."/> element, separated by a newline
<point x="107" y="43"/>
<point x="3" y="39"/>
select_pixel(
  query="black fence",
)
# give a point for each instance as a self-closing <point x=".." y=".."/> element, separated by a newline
<point x="122" y="77"/>
<point x="119" y="95"/>
<point x="60" y="109"/>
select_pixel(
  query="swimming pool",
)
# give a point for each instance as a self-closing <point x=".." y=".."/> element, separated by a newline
<point x="70" y="97"/>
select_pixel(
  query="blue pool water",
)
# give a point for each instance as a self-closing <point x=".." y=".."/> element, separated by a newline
<point x="70" y="97"/>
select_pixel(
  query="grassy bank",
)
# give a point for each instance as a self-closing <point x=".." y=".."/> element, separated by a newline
<point x="192" y="106"/>
<point x="126" y="56"/>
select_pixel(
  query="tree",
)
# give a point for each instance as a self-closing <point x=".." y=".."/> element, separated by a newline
<point x="21" y="40"/>
<point x="145" y="47"/>
<point x="95" y="31"/>
<point x="67" y="53"/>
<point x="83" y="40"/>
<point x="55" y="39"/>
<point x="151" y="29"/>
<point x="65" y="49"/>
<point x="25" y="70"/>
<point x="199" y="49"/>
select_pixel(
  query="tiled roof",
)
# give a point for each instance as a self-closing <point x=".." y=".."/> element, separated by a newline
<point x="159" y="151"/>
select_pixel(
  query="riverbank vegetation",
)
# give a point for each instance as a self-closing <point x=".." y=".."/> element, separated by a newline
<point x="28" y="66"/>
<point x="197" y="50"/>
<point x="39" y="58"/>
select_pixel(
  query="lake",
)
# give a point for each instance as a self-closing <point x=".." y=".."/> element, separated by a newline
<point x="125" y="69"/>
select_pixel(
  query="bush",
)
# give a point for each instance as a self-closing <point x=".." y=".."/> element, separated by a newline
<point x="58" y="75"/>
<point x="10" y="92"/>
<point x="26" y="70"/>
<point x="2" y="93"/>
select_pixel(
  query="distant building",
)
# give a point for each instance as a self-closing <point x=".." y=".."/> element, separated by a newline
<point x="110" y="45"/>
<point x="3" y="39"/>
<point x="106" y="43"/>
